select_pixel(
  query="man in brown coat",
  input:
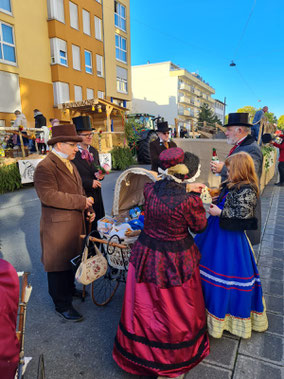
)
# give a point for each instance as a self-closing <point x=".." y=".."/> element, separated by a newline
<point x="59" y="188"/>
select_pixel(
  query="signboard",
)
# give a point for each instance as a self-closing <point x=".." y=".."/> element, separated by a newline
<point x="27" y="169"/>
<point x="105" y="158"/>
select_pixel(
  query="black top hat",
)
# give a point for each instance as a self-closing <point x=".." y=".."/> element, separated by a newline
<point x="82" y="123"/>
<point x="266" y="138"/>
<point x="238" y="119"/>
<point x="162" y="126"/>
<point x="64" y="133"/>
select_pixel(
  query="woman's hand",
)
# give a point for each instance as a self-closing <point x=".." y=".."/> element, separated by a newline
<point x="195" y="187"/>
<point x="96" y="184"/>
<point x="216" y="167"/>
<point x="214" y="210"/>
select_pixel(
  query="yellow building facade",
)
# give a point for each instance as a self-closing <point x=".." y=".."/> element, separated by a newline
<point x="117" y="50"/>
<point x="51" y="52"/>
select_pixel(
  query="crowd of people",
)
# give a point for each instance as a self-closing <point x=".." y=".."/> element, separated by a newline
<point x="179" y="288"/>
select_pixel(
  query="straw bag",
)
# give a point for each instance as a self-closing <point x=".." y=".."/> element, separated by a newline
<point x="92" y="268"/>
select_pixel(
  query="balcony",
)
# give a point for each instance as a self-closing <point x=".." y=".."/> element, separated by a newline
<point x="184" y="100"/>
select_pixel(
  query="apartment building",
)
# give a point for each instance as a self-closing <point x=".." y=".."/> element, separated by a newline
<point x="117" y="51"/>
<point x="54" y="51"/>
<point x="169" y="91"/>
<point x="219" y="109"/>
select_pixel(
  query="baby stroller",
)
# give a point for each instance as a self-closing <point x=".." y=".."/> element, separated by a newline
<point x="128" y="193"/>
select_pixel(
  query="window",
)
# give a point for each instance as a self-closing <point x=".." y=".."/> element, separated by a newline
<point x="90" y="93"/>
<point x="76" y="57"/>
<point x="86" y="22"/>
<point x="120" y="48"/>
<point x="88" y="62"/>
<point x="100" y="69"/>
<point x="58" y="49"/>
<point x="60" y="92"/>
<point x="77" y="93"/>
<point x="121" y="80"/>
<point x="55" y="9"/>
<point x="98" y="28"/>
<point x="101" y="94"/>
<point x="5" y="6"/>
<point x="119" y="16"/>
<point x="7" y="44"/>
<point x="73" y="9"/>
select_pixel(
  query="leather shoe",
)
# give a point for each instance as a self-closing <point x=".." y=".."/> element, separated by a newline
<point x="79" y="293"/>
<point x="70" y="315"/>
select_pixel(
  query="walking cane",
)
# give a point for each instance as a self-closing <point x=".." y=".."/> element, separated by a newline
<point x="89" y="229"/>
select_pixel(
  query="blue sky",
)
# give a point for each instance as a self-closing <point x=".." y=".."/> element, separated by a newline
<point x="204" y="36"/>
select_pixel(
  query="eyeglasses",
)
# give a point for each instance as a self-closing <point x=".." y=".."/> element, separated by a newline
<point x="87" y="135"/>
<point x="71" y="144"/>
<point x="166" y="132"/>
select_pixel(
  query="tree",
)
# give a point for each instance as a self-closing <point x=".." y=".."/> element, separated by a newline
<point x="207" y="114"/>
<point x="280" y="123"/>
<point x="248" y="109"/>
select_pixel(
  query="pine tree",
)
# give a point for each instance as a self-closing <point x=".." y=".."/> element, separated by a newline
<point x="206" y="114"/>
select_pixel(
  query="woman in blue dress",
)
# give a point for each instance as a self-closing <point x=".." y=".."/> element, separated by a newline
<point x="231" y="286"/>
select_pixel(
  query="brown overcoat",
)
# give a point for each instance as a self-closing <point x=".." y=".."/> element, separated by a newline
<point x="62" y="217"/>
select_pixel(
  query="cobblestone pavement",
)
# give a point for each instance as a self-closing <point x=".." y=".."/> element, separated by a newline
<point x="261" y="356"/>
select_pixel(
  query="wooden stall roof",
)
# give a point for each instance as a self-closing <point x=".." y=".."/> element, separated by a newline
<point x="91" y="106"/>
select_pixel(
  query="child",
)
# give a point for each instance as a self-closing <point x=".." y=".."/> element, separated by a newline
<point x="229" y="275"/>
<point x="281" y="160"/>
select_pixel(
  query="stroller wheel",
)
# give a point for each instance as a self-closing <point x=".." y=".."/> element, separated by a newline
<point x="104" y="288"/>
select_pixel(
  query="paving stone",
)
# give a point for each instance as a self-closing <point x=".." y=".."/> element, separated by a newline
<point x="266" y="272"/>
<point x="272" y="253"/>
<point x="272" y="287"/>
<point x="264" y="346"/>
<point x="248" y="368"/>
<point x="275" y="324"/>
<point x="274" y="304"/>
<point x="206" y="371"/>
<point x="278" y="245"/>
<point x="222" y="352"/>
<point x="275" y="263"/>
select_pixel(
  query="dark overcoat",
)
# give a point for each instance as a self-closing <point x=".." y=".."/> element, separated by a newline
<point x="250" y="146"/>
<point x="62" y="213"/>
<point x="156" y="147"/>
<point x="87" y="172"/>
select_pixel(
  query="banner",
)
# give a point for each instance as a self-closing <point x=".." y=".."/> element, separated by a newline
<point x="27" y="169"/>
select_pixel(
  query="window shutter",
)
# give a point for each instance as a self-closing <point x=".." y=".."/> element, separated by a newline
<point x="86" y="22"/>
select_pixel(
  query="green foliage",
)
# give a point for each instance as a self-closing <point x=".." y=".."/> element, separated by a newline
<point x="251" y="110"/>
<point x="280" y="123"/>
<point x="267" y="152"/>
<point x="122" y="158"/>
<point x="10" y="178"/>
<point x="133" y="130"/>
<point x="207" y="114"/>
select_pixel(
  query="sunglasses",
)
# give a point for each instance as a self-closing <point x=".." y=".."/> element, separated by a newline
<point x="166" y="132"/>
<point x="87" y="135"/>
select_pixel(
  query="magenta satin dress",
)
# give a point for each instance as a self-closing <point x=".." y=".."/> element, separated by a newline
<point x="162" y="330"/>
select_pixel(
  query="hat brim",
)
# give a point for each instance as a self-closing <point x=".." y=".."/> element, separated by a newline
<point x="238" y="124"/>
<point x="55" y="140"/>
<point x="163" y="130"/>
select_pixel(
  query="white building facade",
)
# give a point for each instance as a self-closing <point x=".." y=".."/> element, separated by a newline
<point x="219" y="109"/>
<point x="166" y="90"/>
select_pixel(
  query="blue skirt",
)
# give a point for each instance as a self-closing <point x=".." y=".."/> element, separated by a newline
<point x="230" y="281"/>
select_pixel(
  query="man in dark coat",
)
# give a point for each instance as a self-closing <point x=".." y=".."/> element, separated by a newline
<point x="40" y="121"/>
<point x="237" y="133"/>
<point x="162" y="143"/>
<point x="59" y="188"/>
<point x="88" y="164"/>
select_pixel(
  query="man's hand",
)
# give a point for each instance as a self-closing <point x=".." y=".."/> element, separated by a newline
<point x="195" y="187"/>
<point x="90" y="217"/>
<point x="96" y="184"/>
<point x="99" y="176"/>
<point x="214" y="210"/>
<point x="216" y="167"/>
<point x="89" y="202"/>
